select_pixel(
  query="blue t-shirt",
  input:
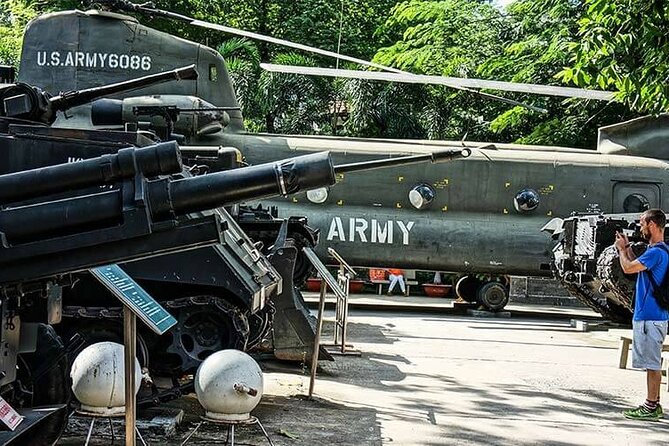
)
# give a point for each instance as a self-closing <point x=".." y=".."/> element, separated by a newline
<point x="646" y="308"/>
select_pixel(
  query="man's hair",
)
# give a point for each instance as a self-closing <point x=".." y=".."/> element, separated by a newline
<point x="656" y="216"/>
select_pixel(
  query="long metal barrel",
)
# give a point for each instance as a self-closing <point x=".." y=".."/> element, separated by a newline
<point x="75" y="98"/>
<point x="159" y="159"/>
<point x="168" y="198"/>
<point x="249" y="183"/>
<point x="434" y="157"/>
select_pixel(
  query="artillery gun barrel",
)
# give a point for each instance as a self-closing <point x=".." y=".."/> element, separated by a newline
<point x="164" y="197"/>
<point x="80" y="97"/>
<point x="272" y="179"/>
<point x="168" y="197"/>
<point x="250" y="183"/>
<point x="159" y="159"/>
<point x="433" y="157"/>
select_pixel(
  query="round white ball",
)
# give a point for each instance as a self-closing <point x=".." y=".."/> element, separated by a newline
<point x="215" y="383"/>
<point x="98" y="378"/>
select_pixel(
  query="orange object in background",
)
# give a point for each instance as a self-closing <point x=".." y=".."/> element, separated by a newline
<point x="436" y="290"/>
<point x="395" y="271"/>
<point x="377" y="274"/>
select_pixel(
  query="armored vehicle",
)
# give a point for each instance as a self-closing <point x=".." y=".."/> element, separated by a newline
<point x="59" y="220"/>
<point x="478" y="219"/>
<point x="587" y="263"/>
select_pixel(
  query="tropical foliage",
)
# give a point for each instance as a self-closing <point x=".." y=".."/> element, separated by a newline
<point x="623" y="45"/>
<point x="14" y="15"/>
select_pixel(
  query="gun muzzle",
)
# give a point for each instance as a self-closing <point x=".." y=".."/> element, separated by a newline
<point x="159" y="159"/>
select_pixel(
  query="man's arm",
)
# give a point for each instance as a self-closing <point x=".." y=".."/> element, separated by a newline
<point x="628" y="261"/>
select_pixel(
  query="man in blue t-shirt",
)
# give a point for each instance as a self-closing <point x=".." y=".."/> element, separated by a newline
<point x="649" y="324"/>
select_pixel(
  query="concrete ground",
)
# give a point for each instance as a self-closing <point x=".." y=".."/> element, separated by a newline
<point x="433" y="379"/>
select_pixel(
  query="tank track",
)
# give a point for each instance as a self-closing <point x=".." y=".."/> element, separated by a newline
<point x="238" y="318"/>
<point x="180" y="386"/>
<point x="612" y="276"/>
<point x="604" y="293"/>
<point x="589" y="295"/>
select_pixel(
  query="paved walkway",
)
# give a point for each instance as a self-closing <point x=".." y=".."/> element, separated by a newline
<point x="446" y="305"/>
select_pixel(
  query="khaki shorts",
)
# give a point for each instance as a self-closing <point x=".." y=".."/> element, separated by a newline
<point x="647" y="344"/>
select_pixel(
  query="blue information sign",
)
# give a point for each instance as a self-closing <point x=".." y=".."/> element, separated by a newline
<point x="135" y="297"/>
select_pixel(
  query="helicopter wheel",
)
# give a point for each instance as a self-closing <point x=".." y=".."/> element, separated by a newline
<point x="467" y="287"/>
<point x="41" y="380"/>
<point x="493" y="296"/>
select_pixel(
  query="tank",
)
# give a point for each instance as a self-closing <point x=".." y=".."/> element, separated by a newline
<point x="587" y="263"/>
<point x="93" y="213"/>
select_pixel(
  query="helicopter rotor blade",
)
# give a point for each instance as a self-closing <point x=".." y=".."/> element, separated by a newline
<point x="452" y="82"/>
<point x="149" y="8"/>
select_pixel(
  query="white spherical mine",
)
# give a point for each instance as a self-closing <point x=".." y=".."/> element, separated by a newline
<point x="98" y="379"/>
<point x="229" y="385"/>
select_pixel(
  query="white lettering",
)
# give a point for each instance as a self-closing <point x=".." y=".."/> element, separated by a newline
<point x="91" y="60"/>
<point x="134" y="62"/>
<point x="365" y="231"/>
<point x="124" y="61"/>
<point x="382" y="234"/>
<point x="405" y="231"/>
<point x="336" y="230"/>
<point x="360" y="227"/>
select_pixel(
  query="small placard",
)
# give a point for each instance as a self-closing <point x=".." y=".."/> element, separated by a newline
<point x="131" y="294"/>
<point x="8" y="415"/>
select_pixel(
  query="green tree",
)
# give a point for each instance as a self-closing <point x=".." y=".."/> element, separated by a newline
<point x="464" y="38"/>
<point x="623" y="45"/>
<point x="451" y="38"/>
<point x="14" y="15"/>
<point x="538" y="44"/>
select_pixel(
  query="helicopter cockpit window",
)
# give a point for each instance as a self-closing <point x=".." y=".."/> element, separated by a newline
<point x="636" y="203"/>
<point x="317" y="195"/>
<point x="421" y="196"/>
<point x="526" y="200"/>
<point x="213" y="73"/>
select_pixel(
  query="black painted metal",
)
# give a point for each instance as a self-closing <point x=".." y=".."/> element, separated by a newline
<point x="159" y="159"/>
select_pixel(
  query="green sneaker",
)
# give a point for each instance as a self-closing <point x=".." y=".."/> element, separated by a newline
<point x="641" y="413"/>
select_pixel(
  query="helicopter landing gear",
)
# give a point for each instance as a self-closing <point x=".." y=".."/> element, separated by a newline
<point x="493" y="295"/>
<point x="467" y="287"/>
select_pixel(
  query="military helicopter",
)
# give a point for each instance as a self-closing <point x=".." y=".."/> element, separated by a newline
<point x="480" y="219"/>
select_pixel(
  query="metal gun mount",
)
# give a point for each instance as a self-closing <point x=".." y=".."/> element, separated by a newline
<point x="26" y="102"/>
